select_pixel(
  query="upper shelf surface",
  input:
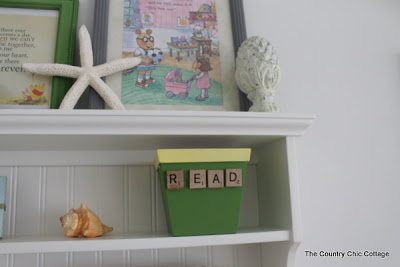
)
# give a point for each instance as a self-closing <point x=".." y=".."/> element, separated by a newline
<point x="133" y="122"/>
<point x="80" y="130"/>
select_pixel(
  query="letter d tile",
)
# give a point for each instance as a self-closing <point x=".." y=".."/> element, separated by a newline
<point x="233" y="178"/>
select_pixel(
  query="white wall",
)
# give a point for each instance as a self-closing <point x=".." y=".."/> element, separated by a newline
<point x="341" y="61"/>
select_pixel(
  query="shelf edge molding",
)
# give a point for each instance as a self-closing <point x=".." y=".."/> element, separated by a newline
<point x="107" y="122"/>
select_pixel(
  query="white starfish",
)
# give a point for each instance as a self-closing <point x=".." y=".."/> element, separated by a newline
<point x="87" y="74"/>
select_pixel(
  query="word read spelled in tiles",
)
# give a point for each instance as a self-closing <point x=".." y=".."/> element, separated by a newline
<point x="197" y="179"/>
<point x="175" y="180"/>
<point x="215" y="178"/>
<point x="233" y="177"/>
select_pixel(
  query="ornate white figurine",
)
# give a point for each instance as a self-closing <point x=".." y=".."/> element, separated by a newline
<point x="258" y="73"/>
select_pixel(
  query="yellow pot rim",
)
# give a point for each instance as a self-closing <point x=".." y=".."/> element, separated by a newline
<point x="202" y="155"/>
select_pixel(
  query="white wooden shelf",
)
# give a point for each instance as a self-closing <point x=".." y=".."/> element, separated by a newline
<point x="55" y="160"/>
<point x="132" y="241"/>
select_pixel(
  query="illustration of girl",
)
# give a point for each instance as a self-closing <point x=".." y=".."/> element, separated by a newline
<point x="202" y="79"/>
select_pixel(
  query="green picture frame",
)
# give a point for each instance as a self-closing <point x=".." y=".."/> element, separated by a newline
<point x="65" y="42"/>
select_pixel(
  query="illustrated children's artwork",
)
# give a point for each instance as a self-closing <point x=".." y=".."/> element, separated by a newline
<point x="178" y="44"/>
<point x="148" y="18"/>
<point x="26" y="36"/>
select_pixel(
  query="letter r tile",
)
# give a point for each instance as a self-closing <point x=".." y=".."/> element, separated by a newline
<point x="175" y="180"/>
<point x="233" y="178"/>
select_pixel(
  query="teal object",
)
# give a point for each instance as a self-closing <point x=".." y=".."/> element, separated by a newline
<point x="3" y="183"/>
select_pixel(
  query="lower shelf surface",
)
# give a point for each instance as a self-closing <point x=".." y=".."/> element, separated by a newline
<point x="135" y="241"/>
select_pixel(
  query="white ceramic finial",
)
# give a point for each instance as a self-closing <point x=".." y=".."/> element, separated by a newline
<point x="258" y="73"/>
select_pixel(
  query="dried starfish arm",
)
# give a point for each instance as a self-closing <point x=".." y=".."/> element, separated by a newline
<point x="85" y="48"/>
<point x="116" y="66"/>
<point x="54" y="69"/>
<point x="106" y="93"/>
<point x="73" y="94"/>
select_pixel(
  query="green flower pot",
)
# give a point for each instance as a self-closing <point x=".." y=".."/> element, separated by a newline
<point x="206" y="201"/>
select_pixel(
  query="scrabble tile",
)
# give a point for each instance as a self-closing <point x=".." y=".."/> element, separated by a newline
<point x="233" y="177"/>
<point x="197" y="179"/>
<point x="215" y="178"/>
<point x="175" y="180"/>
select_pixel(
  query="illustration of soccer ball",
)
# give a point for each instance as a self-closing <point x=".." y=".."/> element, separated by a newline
<point x="156" y="55"/>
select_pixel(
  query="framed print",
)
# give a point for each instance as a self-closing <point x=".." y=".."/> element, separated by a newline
<point x="35" y="31"/>
<point x="187" y="50"/>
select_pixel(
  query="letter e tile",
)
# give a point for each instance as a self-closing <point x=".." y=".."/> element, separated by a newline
<point x="215" y="178"/>
<point x="175" y="180"/>
<point x="197" y="179"/>
<point x="233" y="178"/>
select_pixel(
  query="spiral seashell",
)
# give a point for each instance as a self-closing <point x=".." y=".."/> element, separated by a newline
<point x="83" y="222"/>
<point x="258" y="73"/>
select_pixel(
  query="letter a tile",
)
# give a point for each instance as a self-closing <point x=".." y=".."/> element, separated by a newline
<point x="233" y="178"/>
<point x="215" y="178"/>
<point x="175" y="180"/>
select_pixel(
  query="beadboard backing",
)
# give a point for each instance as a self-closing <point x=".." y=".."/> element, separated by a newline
<point x="221" y="256"/>
<point x="38" y="195"/>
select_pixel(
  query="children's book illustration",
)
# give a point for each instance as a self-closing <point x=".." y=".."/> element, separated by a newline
<point x="177" y="41"/>
<point x="26" y="36"/>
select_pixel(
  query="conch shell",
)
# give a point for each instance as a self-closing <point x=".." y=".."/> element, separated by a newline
<point x="83" y="222"/>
